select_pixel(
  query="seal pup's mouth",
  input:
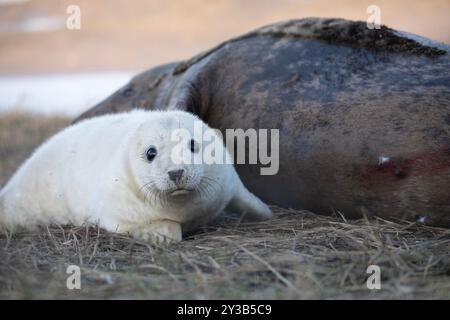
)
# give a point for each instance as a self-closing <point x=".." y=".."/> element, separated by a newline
<point x="180" y="191"/>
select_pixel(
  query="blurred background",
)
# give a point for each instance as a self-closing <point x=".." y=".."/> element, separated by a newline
<point x="47" y="68"/>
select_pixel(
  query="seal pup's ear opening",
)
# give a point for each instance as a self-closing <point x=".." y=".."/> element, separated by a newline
<point x="249" y="206"/>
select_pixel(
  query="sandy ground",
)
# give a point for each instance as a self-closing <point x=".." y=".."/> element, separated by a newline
<point x="297" y="255"/>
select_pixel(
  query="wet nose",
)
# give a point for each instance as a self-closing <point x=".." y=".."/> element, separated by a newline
<point x="175" y="175"/>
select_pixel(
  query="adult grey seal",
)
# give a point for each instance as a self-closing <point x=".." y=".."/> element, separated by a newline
<point x="363" y="114"/>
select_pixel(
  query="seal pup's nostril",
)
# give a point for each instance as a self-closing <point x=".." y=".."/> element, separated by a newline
<point x="175" y="175"/>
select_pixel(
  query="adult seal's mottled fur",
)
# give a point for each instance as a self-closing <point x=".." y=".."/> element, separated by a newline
<point x="122" y="171"/>
<point x="363" y="114"/>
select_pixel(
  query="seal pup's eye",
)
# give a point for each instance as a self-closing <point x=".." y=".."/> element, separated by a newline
<point x="151" y="153"/>
<point x="193" y="145"/>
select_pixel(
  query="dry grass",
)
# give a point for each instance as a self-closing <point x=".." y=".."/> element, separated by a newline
<point x="296" y="255"/>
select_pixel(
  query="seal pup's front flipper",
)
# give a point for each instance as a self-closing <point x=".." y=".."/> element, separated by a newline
<point x="248" y="205"/>
<point x="160" y="232"/>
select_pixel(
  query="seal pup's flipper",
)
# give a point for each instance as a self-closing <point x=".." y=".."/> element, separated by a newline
<point x="248" y="205"/>
<point x="160" y="232"/>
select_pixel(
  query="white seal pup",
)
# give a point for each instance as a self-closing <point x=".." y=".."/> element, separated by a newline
<point x="121" y="172"/>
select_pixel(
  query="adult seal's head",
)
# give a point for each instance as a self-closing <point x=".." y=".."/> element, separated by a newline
<point x="363" y="114"/>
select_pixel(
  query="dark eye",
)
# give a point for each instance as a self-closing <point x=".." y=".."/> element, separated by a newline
<point x="193" y="146"/>
<point x="151" y="153"/>
<point x="128" y="92"/>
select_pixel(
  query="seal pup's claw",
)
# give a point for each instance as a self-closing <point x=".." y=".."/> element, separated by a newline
<point x="159" y="232"/>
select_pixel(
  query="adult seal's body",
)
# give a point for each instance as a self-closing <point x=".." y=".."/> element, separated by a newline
<point x="363" y="114"/>
<point x="121" y="172"/>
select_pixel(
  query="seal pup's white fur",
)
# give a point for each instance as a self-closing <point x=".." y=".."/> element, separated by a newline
<point x="97" y="171"/>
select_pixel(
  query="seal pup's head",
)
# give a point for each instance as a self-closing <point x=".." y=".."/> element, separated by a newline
<point x="167" y="161"/>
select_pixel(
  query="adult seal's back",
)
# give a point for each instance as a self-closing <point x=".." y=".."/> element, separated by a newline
<point x="363" y="114"/>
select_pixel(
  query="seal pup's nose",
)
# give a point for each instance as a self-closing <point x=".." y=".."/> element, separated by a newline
<point x="175" y="175"/>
